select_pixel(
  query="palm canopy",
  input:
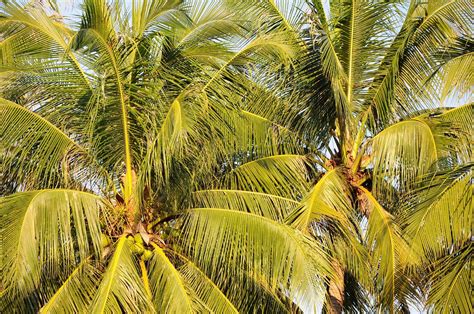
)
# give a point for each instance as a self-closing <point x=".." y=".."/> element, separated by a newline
<point x="228" y="156"/>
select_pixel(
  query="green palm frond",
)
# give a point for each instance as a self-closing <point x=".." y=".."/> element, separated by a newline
<point x="98" y="15"/>
<point x="113" y="59"/>
<point x="227" y="293"/>
<point x="457" y="76"/>
<point x="440" y="215"/>
<point x="398" y="162"/>
<point x="34" y="148"/>
<point x="286" y="112"/>
<point x="288" y="15"/>
<point x="381" y="95"/>
<point x="451" y="289"/>
<point x="406" y="80"/>
<point x="177" y="128"/>
<point x="389" y="253"/>
<point x="358" y="28"/>
<point x="432" y="136"/>
<point x="208" y="20"/>
<point x="207" y="32"/>
<point x="438" y="222"/>
<point x="264" y="47"/>
<point x="263" y="204"/>
<point x="44" y="233"/>
<point x="154" y="16"/>
<point x="267" y="250"/>
<point x="459" y="142"/>
<point x="76" y="292"/>
<point x="283" y="175"/>
<point x="453" y="134"/>
<point x="436" y="36"/>
<point x="333" y="69"/>
<point x="40" y="154"/>
<point x="329" y="198"/>
<point x="170" y="292"/>
<point x="51" y="41"/>
<point x="331" y="63"/>
<point x="262" y="136"/>
<point x="205" y="289"/>
<point x="121" y="287"/>
<point x="461" y="116"/>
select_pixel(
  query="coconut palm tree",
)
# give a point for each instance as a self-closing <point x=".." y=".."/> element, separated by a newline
<point x="369" y="95"/>
<point x="229" y="156"/>
<point x="108" y="126"/>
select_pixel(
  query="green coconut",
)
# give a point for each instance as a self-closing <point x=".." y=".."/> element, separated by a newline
<point x="138" y="238"/>
<point x="138" y="248"/>
<point x="147" y="255"/>
<point x="104" y="240"/>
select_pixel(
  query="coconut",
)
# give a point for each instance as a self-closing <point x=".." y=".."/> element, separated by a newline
<point x="104" y="240"/>
<point x="147" y="255"/>
<point x="138" y="239"/>
<point x="138" y="248"/>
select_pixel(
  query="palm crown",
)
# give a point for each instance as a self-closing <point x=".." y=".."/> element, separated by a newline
<point x="230" y="156"/>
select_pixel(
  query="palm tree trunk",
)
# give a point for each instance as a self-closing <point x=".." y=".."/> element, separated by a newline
<point x="335" y="293"/>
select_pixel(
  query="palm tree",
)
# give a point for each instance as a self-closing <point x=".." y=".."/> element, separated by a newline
<point x="180" y="157"/>
<point x="368" y="95"/>
<point x="108" y="127"/>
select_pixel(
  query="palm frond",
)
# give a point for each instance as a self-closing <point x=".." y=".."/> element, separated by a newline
<point x="437" y="35"/>
<point x="407" y="80"/>
<point x="36" y="152"/>
<point x="76" y="292"/>
<point x="96" y="37"/>
<point x="205" y="289"/>
<point x="121" y="288"/>
<point x="33" y="147"/>
<point x="333" y="68"/>
<point x="457" y="77"/>
<point x="228" y="292"/>
<point x="266" y="47"/>
<point x="440" y="212"/>
<point x="98" y="15"/>
<point x="461" y="116"/>
<point x="389" y="254"/>
<point x="329" y="198"/>
<point x="402" y="153"/>
<point x="263" y="204"/>
<point x="269" y="251"/>
<point x="331" y="63"/>
<point x="242" y="136"/>
<point x="155" y="16"/>
<point x="451" y="289"/>
<point x="283" y="175"/>
<point x="51" y="41"/>
<point x="174" y="132"/>
<point x="286" y="106"/>
<point x="208" y="20"/>
<point x="358" y="24"/>
<point x="262" y="136"/>
<point x="289" y="14"/>
<point x="381" y="95"/>
<point x="460" y="133"/>
<point x="169" y="290"/>
<point x="46" y="232"/>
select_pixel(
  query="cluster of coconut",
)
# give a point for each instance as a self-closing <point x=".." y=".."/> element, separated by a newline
<point x="137" y="245"/>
